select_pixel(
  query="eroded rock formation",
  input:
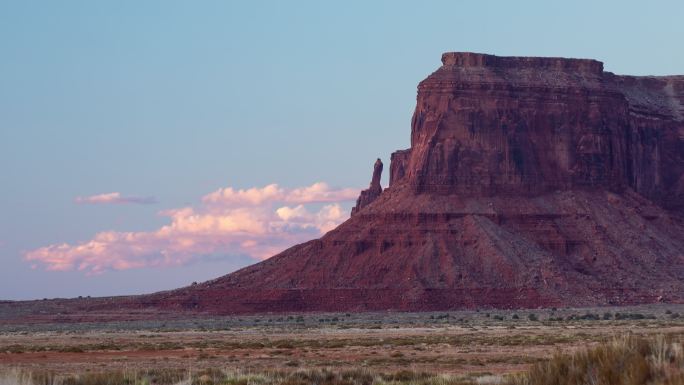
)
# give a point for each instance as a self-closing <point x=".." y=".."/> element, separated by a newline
<point x="529" y="182"/>
<point x="368" y="195"/>
<point x="491" y="126"/>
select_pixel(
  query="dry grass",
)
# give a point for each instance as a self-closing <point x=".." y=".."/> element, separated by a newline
<point x="149" y="377"/>
<point x="220" y="377"/>
<point x="623" y="361"/>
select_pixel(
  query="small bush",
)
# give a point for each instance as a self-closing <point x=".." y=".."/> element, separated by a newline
<point x="633" y="316"/>
<point x="590" y="317"/>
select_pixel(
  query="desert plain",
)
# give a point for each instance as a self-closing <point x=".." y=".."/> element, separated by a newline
<point x="482" y="346"/>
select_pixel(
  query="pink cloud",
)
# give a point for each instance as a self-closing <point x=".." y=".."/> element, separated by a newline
<point x="320" y="192"/>
<point x="258" y="222"/>
<point x="253" y="196"/>
<point x="115" y="198"/>
<point x="316" y="193"/>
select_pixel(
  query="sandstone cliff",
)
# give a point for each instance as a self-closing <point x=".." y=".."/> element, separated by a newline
<point x="491" y="126"/>
<point x="529" y="182"/>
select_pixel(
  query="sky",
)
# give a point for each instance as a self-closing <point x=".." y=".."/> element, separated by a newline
<point x="145" y="145"/>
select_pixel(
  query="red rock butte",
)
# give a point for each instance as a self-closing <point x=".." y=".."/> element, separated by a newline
<point x="530" y="182"/>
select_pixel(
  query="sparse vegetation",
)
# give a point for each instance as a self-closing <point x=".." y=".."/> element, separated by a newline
<point x="268" y="349"/>
<point x="217" y="376"/>
<point x="623" y="361"/>
<point x="626" y="360"/>
<point x="145" y="377"/>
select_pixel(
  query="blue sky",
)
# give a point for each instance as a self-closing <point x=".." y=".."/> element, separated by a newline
<point x="176" y="100"/>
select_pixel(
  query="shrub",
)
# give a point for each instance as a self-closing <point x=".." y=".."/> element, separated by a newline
<point x="633" y="316"/>
<point x="590" y="317"/>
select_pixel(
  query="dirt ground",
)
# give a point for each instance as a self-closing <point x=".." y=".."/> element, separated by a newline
<point x="483" y="342"/>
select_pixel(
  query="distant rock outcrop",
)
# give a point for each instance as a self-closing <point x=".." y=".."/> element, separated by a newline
<point x="368" y="195"/>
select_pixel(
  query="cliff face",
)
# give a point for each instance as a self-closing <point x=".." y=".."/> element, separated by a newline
<point x="656" y="136"/>
<point x="491" y="126"/>
<point x="529" y="182"/>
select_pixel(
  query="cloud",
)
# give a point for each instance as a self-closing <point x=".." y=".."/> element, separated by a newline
<point x="316" y="193"/>
<point x="115" y="198"/>
<point x="320" y="192"/>
<point x="258" y="222"/>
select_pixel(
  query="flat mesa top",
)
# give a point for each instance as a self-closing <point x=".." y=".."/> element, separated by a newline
<point x="471" y="59"/>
